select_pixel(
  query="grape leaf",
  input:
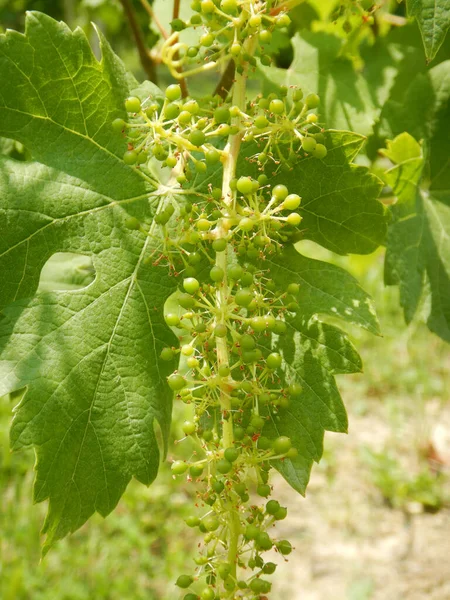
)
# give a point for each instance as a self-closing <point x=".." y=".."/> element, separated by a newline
<point x="88" y="358"/>
<point x="417" y="243"/>
<point x="418" y="247"/>
<point x="433" y="19"/>
<point x="346" y="102"/>
<point x="339" y="206"/>
<point x="314" y="352"/>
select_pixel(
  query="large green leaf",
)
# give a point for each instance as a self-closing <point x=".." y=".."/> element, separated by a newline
<point x="418" y="249"/>
<point x="433" y="18"/>
<point x="318" y="67"/>
<point x="314" y="352"/>
<point x="89" y="358"/>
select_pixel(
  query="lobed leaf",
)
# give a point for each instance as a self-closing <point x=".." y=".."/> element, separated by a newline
<point x="433" y="19"/>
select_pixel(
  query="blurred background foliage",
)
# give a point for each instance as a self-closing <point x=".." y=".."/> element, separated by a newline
<point x="138" y="550"/>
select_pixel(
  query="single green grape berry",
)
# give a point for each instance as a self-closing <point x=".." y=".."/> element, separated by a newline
<point x="312" y="100"/>
<point x="159" y="152"/>
<point x="184" y="581"/>
<point x="189" y="427"/>
<point x="217" y="486"/>
<point x="191" y="106"/>
<point x="295" y="389"/>
<point x="200" y="167"/>
<point x="293" y="288"/>
<point x="223" y="466"/>
<point x="118" y="124"/>
<point x="224" y="570"/>
<point x="280" y="192"/>
<point x="207" y="6"/>
<point x="176" y="382"/>
<point x="173" y="92"/>
<point x="192" y="521"/>
<point x="178" y="468"/>
<point x="220" y="330"/>
<point x="223" y="371"/>
<point x="272" y="507"/>
<point x="235" y="272"/>
<point x="294" y="219"/>
<point x="217" y="274"/>
<point x="277" y="107"/>
<point x="212" y="157"/>
<point x="207" y="594"/>
<point x="251" y="532"/>
<point x="280" y="327"/>
<point x="247" y="342"/>
<point x="292" y="453"/>
<point x="320" y="151"/>
<point x="235" y="49"/>
<point x="284" y="547"/>
<point x="196" y="470"/>
<point x="239" y="434"/>
<point x="211" y="523"/>
<point x="257" y="422"/>
<point x="283" y="20"/>
<point x="132" y="223"/>
<point x="172" y="319"/>
<point x="258" y="324"/>
<point x="231" y="454"/>
<point x="263" y="490"/>
<point x="219" y="245"/>
<point x="291" y="202"/>
<point x="166" y="354"/>
<point x="130" y="157"/>
<point x="281" y="513"/>
<point x="246" y="224"/>
<point x="192" y="51"/>
<point x="190" y="597"/>
<point x="222" y="115"/>
<point x="309" y="144"/>
<point x="261" y="122"/>
<point x="312" y="118"/>
<point x="191" y="285"/>
<point x="243" y="297"/>
<point x="192" y="362"/>
<point x="206" y="40"/>
<point x="184" y="118"/>
<point x="229" y="7"/>
<point x="265" y="36"/>
<point x="269" y="568"/>
<point x="281" y="445"/>
<point x="263" y="442"/>
<point x="263" y="541"/>
<point x="245" y="185"/>
<point x="203" y="225"/>
<point x="197" y="137"/>
<point x="132" y="104"/>
<point x="142" y="157"/>
<point x="274" y="360"/>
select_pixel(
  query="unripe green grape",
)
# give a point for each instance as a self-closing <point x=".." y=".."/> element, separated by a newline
<point x="172" y="319"/>
<point x="178" y="468"/>
<point x="196" y="470"/>
<point x="211" y="523"/>
<point x="283" y="21"/>
<point x="219" y="245"/>
<point x="265" y="36"/>
<point x="222" y="115"/>
<point x="203" y="225"/>
<point x="257" y="422"/>
<point x="261" y="122"/>
<point x="280" y="327"/>
<point x="191" y="106"/>
<point x="272" y="507"/>
<point x="229" y="6"/>
<point x="284" y="547"/>
<point x="269" y="568"/>
<point x="132" y="223"/>
<point x="207" y="6"/>
<point x="173" y="92"/>
<point x="192" y="362"/>
<point x="291" y="202"/>
<point x="239" y="433"/>
<point x="231" y="454"/>
<point x="190" y="597"/>
<point x="246" y="224"/>
<point x="292" y="453"/>
<point x="212" y="157"/>
<point x="159" y="152"/>
<point x="246" y="279"/>
<point x="171" y="112"/>
<point x="176" y="382"/>
<point x="223" y="130"/>
<point x="207" y="40"/>
<point x="130" y="157"/>
<point x="277" y="107"/>
<point x="258" y="324"/>
<point x="200" y="167"/>
<point x="132" y="104"/>
<point x="220" y="330"/>
<point x="166" y="354"/>
<point x="245" y="185"/>
<point x="197" y="137"/>
<point x="294" y="219"/>
<point x="312" y="101"/>
<point x="207" y="594"/>
<point x="293" y="288"/>
<point x="217" y="274"/>
<point x="280" y="192"/>
<point x="281" y="513"/>
<point x="223" y="371"/>
<point x="243" y="297"/>
<point x="295" y="389"/>
<point x="263" y="541"/>
<point x="309" y="144"/>
<point x="266" y="60"/>
<point x="208" y="435"/>
<point x="118" y="125"/>
<point x="184" y="581"/>
<point x="264" y="398"/>
<point x="192" y="521"/>
<point x="251" y="532"/>
<point x="142" y="157"/>
<point x="312" y="118"/>
<point x="184" y="118"/>
<point x="320" y="151"/>
<point x="191" y="285"/>
<point x="263" y="442"/>
<point x="274" y="360"/>
<point x="186" y="301"/>
<point x="223" y="466"/>
<point x="263" y="490"/>
<point x="189" y="427"/>
<point x="281" y="445"/>
<point x="217" y="486"/>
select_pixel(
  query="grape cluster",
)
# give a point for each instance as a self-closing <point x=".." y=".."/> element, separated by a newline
<point x="226" y="30"/>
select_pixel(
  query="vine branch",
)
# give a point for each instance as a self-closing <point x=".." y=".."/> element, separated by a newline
<point x="144" y="55"/>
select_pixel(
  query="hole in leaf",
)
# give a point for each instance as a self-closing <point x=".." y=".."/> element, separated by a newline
<point x="66" y="271"/>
